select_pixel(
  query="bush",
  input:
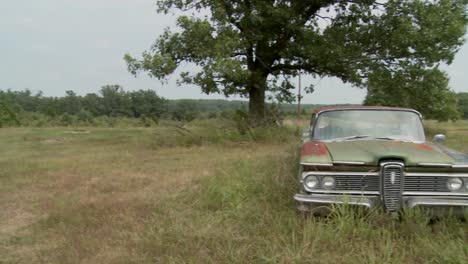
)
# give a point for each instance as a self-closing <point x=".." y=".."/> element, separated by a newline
<point x="67" y="120"/>
<point x="85" y="117"/>
<point x="7" y="115"/>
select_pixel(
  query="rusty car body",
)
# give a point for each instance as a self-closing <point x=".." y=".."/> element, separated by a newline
<point x="379" y="157"/>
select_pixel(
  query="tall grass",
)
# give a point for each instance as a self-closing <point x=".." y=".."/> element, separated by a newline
<point x="245" y="214"/>
<point x="203" y="192"/>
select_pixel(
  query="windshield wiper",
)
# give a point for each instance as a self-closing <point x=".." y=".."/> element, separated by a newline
<point x="366" y="136"/>
<point x="385" y="138"/>
<point x="394" y="139"/>
<point x="350" y="138"/>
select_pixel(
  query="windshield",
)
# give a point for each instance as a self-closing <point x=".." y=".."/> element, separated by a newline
<point x="362" y="124"/>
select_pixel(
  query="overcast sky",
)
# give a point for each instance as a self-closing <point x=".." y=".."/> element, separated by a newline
<point x="58" y="45"/>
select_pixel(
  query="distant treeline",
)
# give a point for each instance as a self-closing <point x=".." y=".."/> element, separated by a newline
<point x="112" y="102"/>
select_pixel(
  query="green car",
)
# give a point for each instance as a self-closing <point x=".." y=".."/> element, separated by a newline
<point x="379" y="157"/>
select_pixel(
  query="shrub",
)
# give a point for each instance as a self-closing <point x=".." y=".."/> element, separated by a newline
<point x="7" y="115"/>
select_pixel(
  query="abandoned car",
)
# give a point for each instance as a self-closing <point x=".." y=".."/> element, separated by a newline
<point x="379" y="157"/>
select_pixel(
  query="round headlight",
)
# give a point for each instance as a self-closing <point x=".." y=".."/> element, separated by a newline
<point x="328" y="182"/>
<point x="454" y="184"/>
<point x="311" y="182"/>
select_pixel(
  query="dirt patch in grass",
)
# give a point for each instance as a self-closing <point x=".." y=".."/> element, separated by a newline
<point x="52" y="141"/>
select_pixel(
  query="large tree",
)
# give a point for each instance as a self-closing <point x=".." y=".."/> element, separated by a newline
<point x="253" y="47"/>
<point x="424" y="89"/>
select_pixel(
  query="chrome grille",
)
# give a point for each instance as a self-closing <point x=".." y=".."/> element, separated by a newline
<point x="392" y="174"/>
<point x="425" y="184"/>
<point x="365" y="183"/>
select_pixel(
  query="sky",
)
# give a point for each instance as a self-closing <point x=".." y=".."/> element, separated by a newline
<point x="58" y="45"/>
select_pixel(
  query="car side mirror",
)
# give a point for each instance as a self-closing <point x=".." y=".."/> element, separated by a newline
<point x="439" y="138"/>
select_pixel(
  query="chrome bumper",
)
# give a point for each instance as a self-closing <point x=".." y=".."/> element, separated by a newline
<point x="440" y="203"/>
<point x="414" y="201"/>
<point x="324" y="199"/>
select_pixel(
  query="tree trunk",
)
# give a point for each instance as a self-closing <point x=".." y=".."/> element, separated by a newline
<point x="257" y="87"/>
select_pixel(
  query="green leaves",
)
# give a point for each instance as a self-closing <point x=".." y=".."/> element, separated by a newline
<point x="7" y="114"/>
<point x="238" y="41"/>
<point x="425" y="90"/>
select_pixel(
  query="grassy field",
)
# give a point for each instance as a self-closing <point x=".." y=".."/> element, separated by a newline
<point x="201" y="195"/>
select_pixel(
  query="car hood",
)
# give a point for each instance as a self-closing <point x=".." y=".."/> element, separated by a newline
<point x="370" y="152"/>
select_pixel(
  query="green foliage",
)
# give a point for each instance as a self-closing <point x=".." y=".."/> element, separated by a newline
<point x="115" y="101"/>
<point x="92" y="103"/>
<point x="184" y="110"/>
<point x="147" y="103"/>
<point x="73" y="109"/>
<point x="85" y="116"/>
<point x="7" y="115"/>
<point x="250" y="48"/>
<point x="424" y="90"/>
<point x="463" y="104"/>
<point x="71" y="103"/>
<point x="66" y="120"/>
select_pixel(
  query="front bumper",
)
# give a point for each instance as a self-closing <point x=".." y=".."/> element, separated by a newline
<point x="440" y="206"/>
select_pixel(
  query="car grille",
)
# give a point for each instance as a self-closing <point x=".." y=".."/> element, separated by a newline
<point x="367" y="183"/>
<point x="392" y="177"/>
<point x="425" y="184"/>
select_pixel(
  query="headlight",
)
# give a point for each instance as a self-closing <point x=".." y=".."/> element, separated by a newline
<point x="328" y="182"/>
<point x="311" y="182"/>
<point x="454" y="184"/>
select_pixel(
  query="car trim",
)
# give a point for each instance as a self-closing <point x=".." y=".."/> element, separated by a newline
<point x="368" y="202"/>
<point x="437" y="193"/>
<point x="371" y="173"/>
<point x="345" y="173"/>
<point x="315" y="164"/>
<point x="349" y="162"/>
<point x="430" y="201"/>
<point x="430" y="164"/>
<point x="383" y="164"/>
<point x="341" y="192"/>
<point x="372" y="109"/>
<point x="372" y="201"/>
<point x="460" y="166"/>
<point x="433" y="164"/>
<point x="363" y="139"/>
<point x="435" y="174"/>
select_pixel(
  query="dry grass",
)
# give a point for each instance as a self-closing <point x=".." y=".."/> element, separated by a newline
<point x="69" y="198"/>
<point x="154" y="196"/>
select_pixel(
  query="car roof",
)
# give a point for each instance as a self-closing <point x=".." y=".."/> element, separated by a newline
<point x="362" y="107"/>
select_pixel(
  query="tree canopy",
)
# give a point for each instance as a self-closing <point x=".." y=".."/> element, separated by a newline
<point x="463" y="104"/>
<point x="250" y="47"/>
<point x="424" y="89"/>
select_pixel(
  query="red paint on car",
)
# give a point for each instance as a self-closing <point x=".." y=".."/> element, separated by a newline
<point x="314" y="148"/>
<point x="424" y="147"/>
